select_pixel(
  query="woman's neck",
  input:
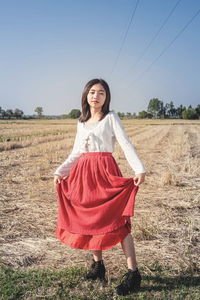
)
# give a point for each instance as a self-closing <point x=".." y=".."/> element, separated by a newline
<point x="96" y="113"/>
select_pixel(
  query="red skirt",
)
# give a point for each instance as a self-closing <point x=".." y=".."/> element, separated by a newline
<point x="95" y="203"/>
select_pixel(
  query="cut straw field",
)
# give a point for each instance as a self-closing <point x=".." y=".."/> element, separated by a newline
<point x="167" y="215"/>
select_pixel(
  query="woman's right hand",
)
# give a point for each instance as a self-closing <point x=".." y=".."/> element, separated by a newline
<point x="57" y="179"/>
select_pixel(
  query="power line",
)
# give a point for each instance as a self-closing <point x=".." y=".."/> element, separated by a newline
<point x="124" y="39"/>
<point x="155" y="36"/>
<point x="168" y="46"/>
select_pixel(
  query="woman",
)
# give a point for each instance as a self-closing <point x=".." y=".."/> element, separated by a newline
<point x="95" y="200"/>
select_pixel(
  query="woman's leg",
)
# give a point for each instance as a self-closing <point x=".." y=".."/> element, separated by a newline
<point x="97" y="254"/>
<point x="129" y="251"/>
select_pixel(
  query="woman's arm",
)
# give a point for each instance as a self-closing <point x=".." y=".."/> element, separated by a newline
<point x="64" y="168"/>
<point x="127" y="146"/>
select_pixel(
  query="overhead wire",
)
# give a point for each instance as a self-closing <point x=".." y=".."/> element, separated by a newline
<point x="154" y="37"/>
<point x="168" y="46"/>
<point x="124" y="38"/>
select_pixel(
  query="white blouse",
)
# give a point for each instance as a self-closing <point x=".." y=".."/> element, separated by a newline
<point x="101" y="138"/>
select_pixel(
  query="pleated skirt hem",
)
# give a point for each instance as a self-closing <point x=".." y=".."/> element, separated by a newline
<point x="93" y="242"/>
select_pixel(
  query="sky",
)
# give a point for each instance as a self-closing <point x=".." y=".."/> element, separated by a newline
<point x="51" y="48"/>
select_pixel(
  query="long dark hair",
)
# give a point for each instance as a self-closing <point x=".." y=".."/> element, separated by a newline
<point x="86" y="114"/>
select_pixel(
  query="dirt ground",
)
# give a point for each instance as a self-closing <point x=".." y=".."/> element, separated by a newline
<point x="167" y="215"/>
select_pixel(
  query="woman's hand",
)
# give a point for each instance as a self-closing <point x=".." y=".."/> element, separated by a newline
<point x="57" y="179"/>
<point x="139" y="178"/>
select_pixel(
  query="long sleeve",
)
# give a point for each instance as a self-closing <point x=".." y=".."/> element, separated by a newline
<point x="126" y="145"/>
<point x="64" y="168"/>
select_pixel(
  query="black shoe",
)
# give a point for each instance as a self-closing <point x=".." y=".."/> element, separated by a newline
<point x="131" y="282"/>
<point x="97" y="270"/>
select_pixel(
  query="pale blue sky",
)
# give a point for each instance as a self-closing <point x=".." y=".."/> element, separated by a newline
<point x="50" y="49"/>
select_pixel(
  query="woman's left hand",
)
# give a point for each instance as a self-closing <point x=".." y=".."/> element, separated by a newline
<point x="139" y="178"/>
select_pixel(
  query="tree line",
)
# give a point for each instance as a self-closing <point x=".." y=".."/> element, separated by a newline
<point x="18" y="113"/>
<point x="10" y="113"/>
<point x="156" y="110"/>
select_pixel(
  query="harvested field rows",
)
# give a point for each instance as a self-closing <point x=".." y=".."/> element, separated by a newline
<point x="166" y="221"/>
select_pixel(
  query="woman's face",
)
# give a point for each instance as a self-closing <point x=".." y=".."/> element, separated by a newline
<point x="96" y="96"/>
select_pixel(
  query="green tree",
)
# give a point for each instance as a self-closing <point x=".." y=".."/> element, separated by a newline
<point x="9" y="113"/>
<point x="39" y="111"/>
<point x="197" y="109"/>
<point x="128" y="115"/>
<point x="155" y="107"/>
<point x="2" y="114"/>
<point x="18" y="113"/>
<point x="179" y="111"/>
<point x="170" y="110"/>
<point x="121" y="115"/>
<point x="74" y="113"/>
<point x="162" y="110"/>
<point x="190" y="113"/>
<point x="143" y="114"/>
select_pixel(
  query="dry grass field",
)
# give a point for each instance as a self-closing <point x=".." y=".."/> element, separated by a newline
<point x="167" y="216"/>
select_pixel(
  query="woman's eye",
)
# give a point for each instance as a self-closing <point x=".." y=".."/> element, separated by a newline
<point x="100" y="93"/>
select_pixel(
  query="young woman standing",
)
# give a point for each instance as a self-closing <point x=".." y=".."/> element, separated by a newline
<point x="95" y="200"/>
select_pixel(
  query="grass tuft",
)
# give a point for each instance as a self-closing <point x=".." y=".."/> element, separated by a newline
<point x="69" y="284"/>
